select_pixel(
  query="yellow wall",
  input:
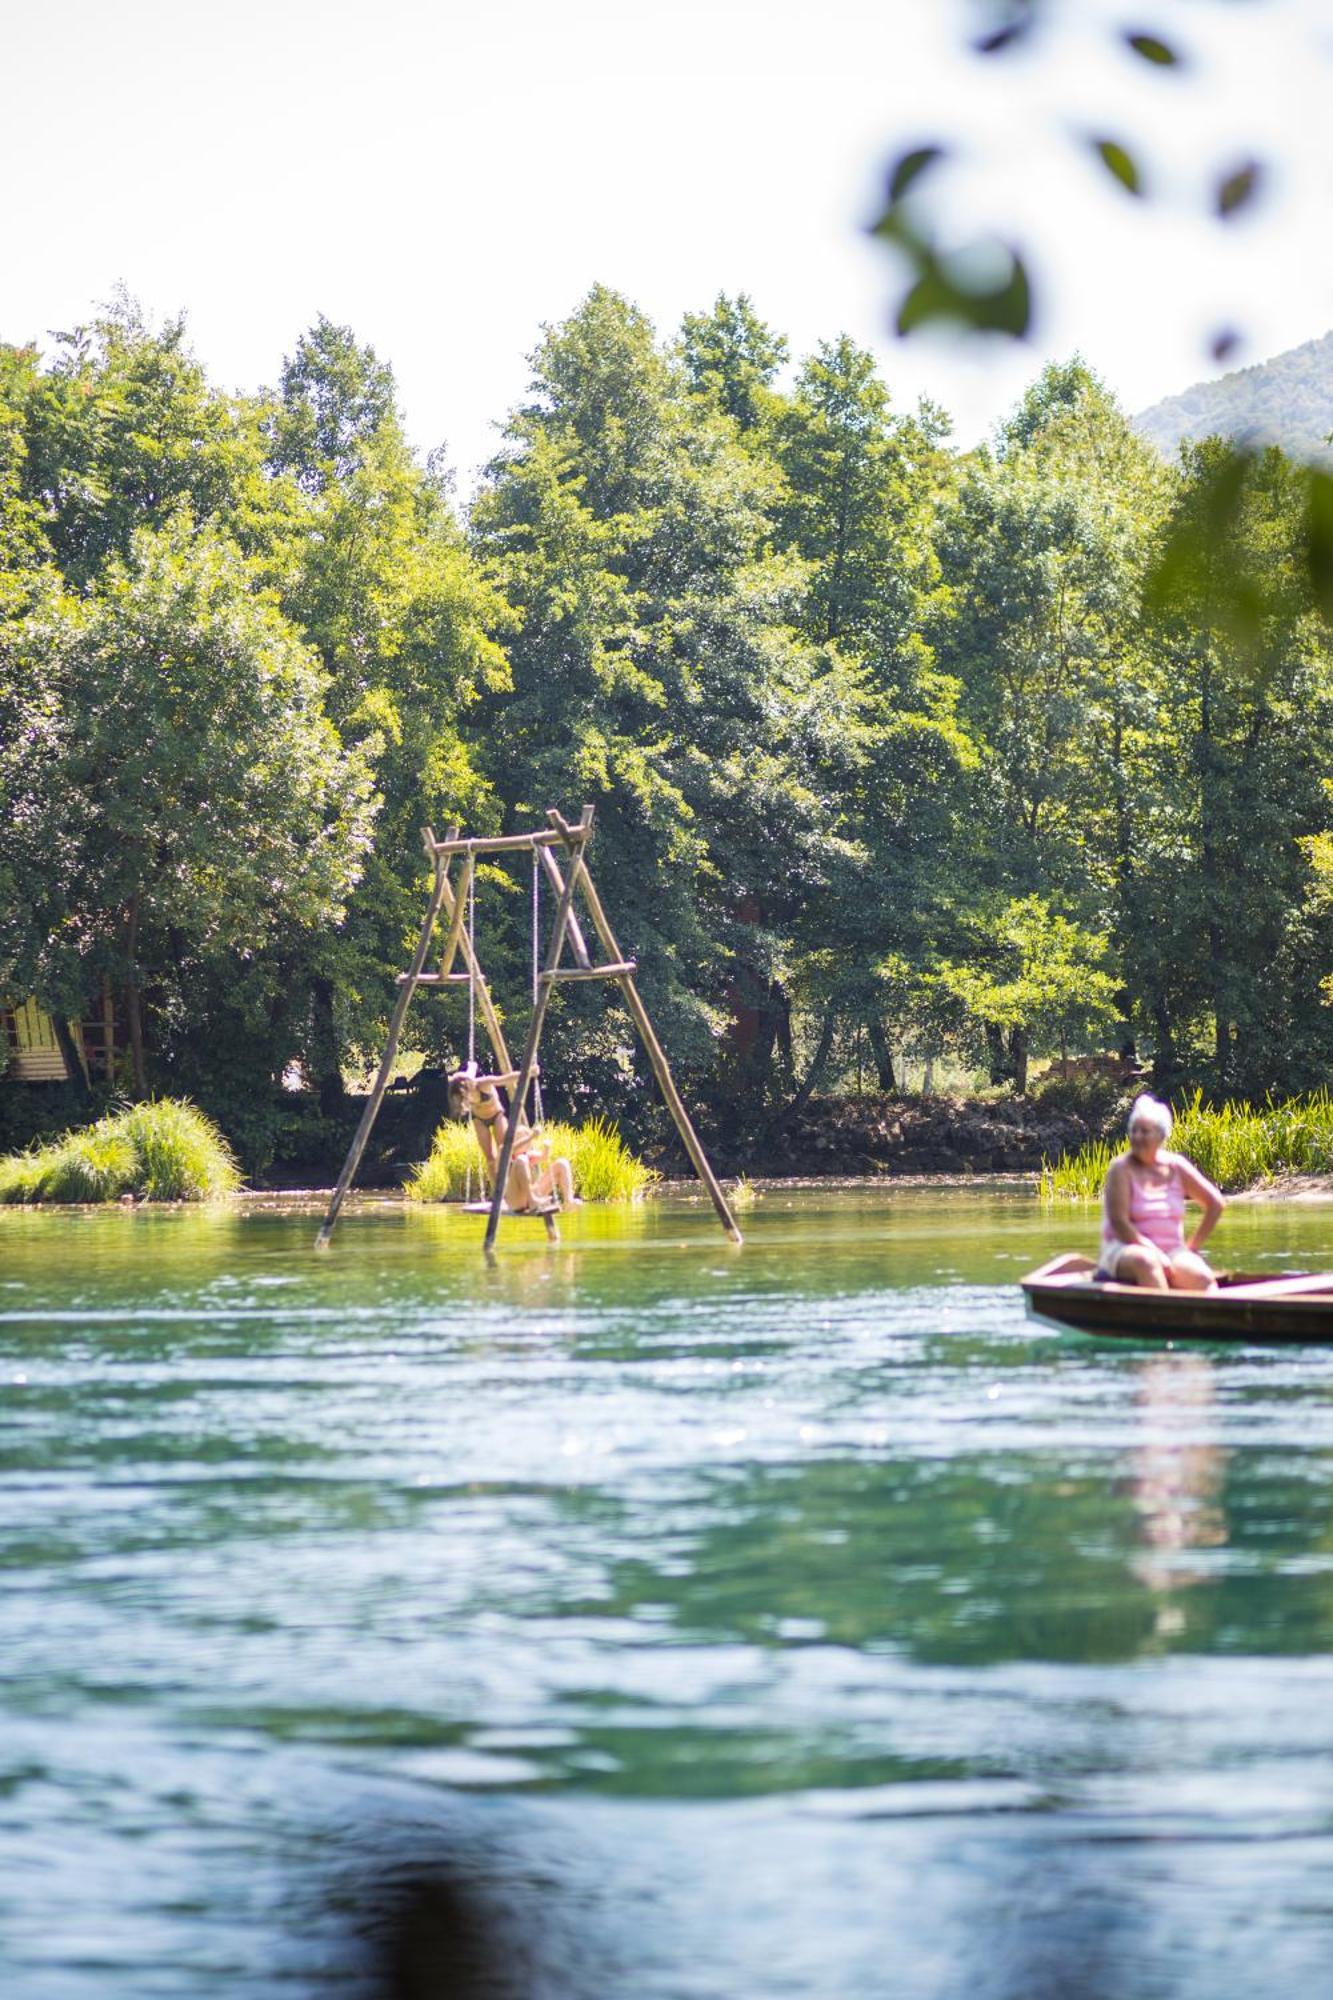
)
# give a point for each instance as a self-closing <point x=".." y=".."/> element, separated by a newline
<point x="35" y="1053"/>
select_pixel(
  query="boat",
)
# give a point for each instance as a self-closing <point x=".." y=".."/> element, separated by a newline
<point x="1292" y="1306"/>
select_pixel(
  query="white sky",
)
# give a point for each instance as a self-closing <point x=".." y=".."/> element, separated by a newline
<point x="445" y="177"/>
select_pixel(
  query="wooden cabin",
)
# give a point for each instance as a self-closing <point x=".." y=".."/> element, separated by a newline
<point x="30" y="1052"/>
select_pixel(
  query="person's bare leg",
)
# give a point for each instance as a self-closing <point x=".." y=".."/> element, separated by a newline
<point x="1187" y="1272"/>
<point x="1136" y="1266"/>
<point x="564" y="1182"/>
<point x="519" y="1191"/>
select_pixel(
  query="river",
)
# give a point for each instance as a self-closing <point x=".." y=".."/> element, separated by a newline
<point x="648" y="1617"/>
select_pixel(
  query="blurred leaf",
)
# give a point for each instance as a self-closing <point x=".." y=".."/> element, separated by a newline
<point x="1236" y="189"/>
<point x="1001" y="38"/>
<point x="1319" y="538"/>
<point x="1224" y="343"/>
<point x="909" y="168"/>
<point x="939" y="294"/>
<point x="1119" y="163"/>
<point x="1019" y="18"/>
<point x="1153" y="49"/>
<point x="1201" y="575"/>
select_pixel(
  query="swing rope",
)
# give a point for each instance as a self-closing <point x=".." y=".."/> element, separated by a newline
<point x="536" y="988"/>
<point x="471" y="997"/>
<point x="472" y="965"/>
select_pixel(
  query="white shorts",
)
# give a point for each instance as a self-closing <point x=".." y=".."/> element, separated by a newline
<point x="1111" y="1254"/>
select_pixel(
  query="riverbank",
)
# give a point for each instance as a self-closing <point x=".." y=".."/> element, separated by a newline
<point x="833" y="1140"/>
<point x="1289" y="1187"/>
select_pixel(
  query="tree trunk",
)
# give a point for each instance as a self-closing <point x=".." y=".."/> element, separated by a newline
<point x="134" y="999"/>
<point x="816" y="1069"/>
<point x="1165" y="1061"/>
<point x="328" y="1078"/>
<point x="1208" y="760"/>
<point x="1018" y="1060"/>
<point x="786" y="1055"/>
<point x="997" y="1056"/>
<point x="883" y="1054"/>
<point x="76" y="1067"/>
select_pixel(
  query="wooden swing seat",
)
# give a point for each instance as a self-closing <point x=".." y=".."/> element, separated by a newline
<point x="539" y="1208"/>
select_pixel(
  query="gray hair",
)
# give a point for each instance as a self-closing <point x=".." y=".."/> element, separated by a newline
<point x="1146" y="1110"/>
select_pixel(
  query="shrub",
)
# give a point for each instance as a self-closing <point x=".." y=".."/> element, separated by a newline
<point x="1094" y="1099"/>
<point x="444" y="1176"/>
<point x="166" y="1150"/>
<point x="603" y="1166"/>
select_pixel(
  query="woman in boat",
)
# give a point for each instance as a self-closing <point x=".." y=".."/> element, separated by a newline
<point x="1143" y="1210"/>
<point x="535" y="1176"/>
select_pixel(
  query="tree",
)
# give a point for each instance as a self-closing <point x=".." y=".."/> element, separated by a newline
<point x="1236" y="770"/>
<point x="732" y="358"/>
<point x="1044" y="548"/>
<point x="122" y="431"/>
<point x="195" y="807"/>
<point x="659" y="665"/>
<point x="1034" y="981"/>
<point x="382" y="585"/>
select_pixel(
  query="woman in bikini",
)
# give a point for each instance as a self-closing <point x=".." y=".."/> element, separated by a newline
<point x="1143" y="1210"/>
<point x="534" y="1176"/>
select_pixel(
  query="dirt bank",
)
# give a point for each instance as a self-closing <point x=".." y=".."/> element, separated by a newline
<point x="1289" y="1187"/>
<point x="872" y="1137"/>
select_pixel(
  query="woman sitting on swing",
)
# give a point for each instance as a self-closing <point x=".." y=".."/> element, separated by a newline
<point x="536" y="1178"/>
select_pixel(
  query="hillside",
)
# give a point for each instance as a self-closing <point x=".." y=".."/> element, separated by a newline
<point x="1286" y="401"/>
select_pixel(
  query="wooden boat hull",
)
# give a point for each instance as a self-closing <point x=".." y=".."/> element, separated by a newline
<point x="1296" y="1307"/>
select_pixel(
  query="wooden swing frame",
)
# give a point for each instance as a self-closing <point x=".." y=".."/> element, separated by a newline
<point x="452" y="900"/>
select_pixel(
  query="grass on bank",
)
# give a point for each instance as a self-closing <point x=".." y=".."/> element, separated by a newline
<point x="166" y="1150"/>
<point x="603" y="1166"/>
<point x="1236" y="1145"/>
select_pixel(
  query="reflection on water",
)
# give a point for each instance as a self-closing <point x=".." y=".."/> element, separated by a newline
<point x="1178" y="1473"/>
<point x="641" y="1618"/>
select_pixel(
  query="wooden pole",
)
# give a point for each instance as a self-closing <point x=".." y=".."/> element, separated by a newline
<point x="556" y="880"/>
<point x="528" y="1064"/>
<point x="457" y="914"/>
<point x="381" y="1083"/>
<point x="501" y="843"/>
<point x="656" y="1054"/>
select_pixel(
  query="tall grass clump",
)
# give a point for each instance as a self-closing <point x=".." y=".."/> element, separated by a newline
<point x="603" y="1166"/>
<point x="1236" y="1145"/>
<point x="444" y="1175"/>
<point x="166" y="1150"/>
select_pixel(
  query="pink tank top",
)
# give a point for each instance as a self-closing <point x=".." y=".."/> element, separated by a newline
<point x="1157" y="1211"/>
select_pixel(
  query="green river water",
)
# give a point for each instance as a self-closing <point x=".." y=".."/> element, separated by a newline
<point x="646" y="1617"/>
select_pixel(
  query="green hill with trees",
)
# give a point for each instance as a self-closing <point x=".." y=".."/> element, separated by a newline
<point x="1287" y="401"/>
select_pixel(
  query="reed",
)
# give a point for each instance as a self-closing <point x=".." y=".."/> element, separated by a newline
<point x="166" y="1150"/>
<point x="603" y="1166"/>
<point x="443" y="1176"/>
<point x="1236" y="1145"/>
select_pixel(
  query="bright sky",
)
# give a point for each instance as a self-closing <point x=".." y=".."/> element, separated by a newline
<point x="446" y="175"/>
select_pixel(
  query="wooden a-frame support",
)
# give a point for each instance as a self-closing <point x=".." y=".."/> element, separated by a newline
<point x="453" y="903"/>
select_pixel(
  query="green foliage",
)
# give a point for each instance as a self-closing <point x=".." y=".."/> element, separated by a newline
<point x="1236" y="1145"/>
<point x="452" y="1168"/>
<point x="1095" y="1099"/>
<point x="731" y="358"/>
<point x="1034" y="977"/>
<point x="1077" y="1176"/>
<point x="603" y="1166"/>
<point x="164" y="1150"/>
<point x="898" y="752"/>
